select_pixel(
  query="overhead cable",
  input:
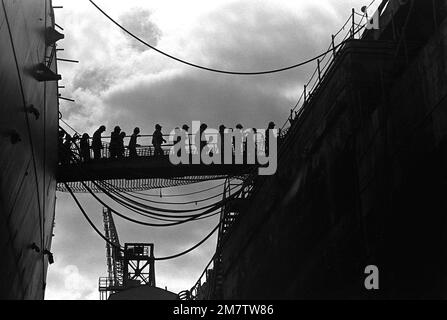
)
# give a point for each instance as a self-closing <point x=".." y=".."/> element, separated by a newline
<point x="239" y="73"/>
<point x="89" y="220"/>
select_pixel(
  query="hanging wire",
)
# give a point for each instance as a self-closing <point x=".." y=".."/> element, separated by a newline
<point x="146" y="208"/>
<point x="169" y="203"/>
<point x="89" y="220"/>
<point x="160" y="217"/>
<point x="211" y="210"/>
<point x="178" y="255"/>
<point x="179" y="195"/>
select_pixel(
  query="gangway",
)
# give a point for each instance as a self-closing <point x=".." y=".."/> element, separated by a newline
<point x="142" y="172"/>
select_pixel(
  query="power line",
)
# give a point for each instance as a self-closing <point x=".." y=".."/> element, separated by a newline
<point x="179" y="195"/>
<point x="208" y="68"/>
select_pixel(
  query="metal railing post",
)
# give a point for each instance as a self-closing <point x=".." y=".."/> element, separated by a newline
<point x="305" y="93"/>
<point x="333" y="46"/>
<point x="353" y="24"/>
<point x="319" y="70"/>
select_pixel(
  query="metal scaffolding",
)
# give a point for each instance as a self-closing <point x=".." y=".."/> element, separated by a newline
<point x="132" y="267"/>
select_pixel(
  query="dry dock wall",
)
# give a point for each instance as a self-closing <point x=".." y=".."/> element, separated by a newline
<point x="361" y="181"/>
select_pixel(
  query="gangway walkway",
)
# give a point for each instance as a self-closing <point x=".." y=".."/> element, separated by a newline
<point x="144" y="172"/>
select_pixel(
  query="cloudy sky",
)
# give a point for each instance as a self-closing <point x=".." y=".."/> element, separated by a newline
<point x="121" y="82"/>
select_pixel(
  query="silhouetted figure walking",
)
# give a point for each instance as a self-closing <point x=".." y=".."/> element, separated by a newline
<point x="203" y="144"/>
<point x="76" y="145"/>
<point x="121" y="150"/>
<point x="178" y="134"/>
<point x="60" y="142"/>
<point x="85" y="147"/>
<point x="292" y="117"/>
<point x="114" y="142"/>
<point x="242" y="145"/>
<point x="133" y="143"/>
<point x="67" y="148"/>
<point x="158" y="140"/>
<point x="97" y="143"/>
<point x="185" y="129"/>
<point x="255" y="137"/>
<point x="267" y="137"/>
<point x="222" y="143"/>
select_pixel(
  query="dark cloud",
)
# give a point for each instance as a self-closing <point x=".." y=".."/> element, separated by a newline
<point x="246" y="36"/>
<point x="94" y="79"/>
<point x="192" y="96"/>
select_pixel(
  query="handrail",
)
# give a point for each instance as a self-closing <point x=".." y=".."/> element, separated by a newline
<point x="326" y="62"/>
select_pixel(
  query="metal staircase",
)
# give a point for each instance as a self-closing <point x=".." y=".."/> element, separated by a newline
<point x="229" y="214"/>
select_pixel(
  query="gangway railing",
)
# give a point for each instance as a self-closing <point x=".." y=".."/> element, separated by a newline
<point x="144" y="149"/>
<point x="353" y="28"/>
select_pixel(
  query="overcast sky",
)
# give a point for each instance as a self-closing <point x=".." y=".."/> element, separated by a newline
<point x="121" y="82"/>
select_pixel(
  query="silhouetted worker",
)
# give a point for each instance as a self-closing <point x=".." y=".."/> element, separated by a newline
<point x="114" y="142"/>
<point x="185" y="129"/>
<point x="133" y="143"/>
<point x="61" y="136"/>
<point x="178" y="133"/>
<point x="158" y="140"/>
<point x="75" y="146"/>
<point x="67" y="148"/>
<point x="291" y="117"/>
<point x="203" y="144"/>
<point x="222" y="141"/>
<point x="241" y="128"/>
<point x="121" y="150"/>
<point x="271" y="126"/>
<point x="255" y="134"/>
<point x="230" y="131"/>
<point x="97" y="143"/>
<point x="85" y="147"/>
<point x="60" y="143"/>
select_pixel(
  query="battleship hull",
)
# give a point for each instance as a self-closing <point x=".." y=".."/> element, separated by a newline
<point x="28" y="147"/>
